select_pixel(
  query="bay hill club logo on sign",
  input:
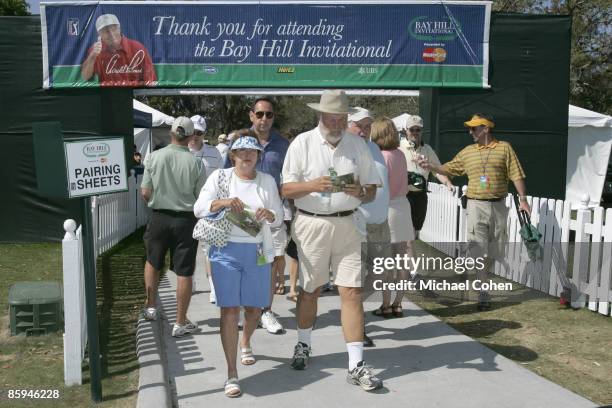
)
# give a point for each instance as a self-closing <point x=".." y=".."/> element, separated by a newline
<point x="434" y="55"/>
<point x="96" y="149"/>
<point x="426" y="29"/>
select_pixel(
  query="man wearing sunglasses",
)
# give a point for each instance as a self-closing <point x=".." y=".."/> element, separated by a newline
<point x="489" y="165"/>
<point x="413" y="147"/>
<point x="271" y="162"/>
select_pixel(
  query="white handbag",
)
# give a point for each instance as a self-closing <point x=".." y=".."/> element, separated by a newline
<point x="214" y="228"/>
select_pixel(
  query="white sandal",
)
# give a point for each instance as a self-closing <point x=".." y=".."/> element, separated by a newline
<point x="246" y="356"/>
<point x="232" y="388"/>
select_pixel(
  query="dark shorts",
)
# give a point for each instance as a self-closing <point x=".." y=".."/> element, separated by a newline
<point x="170" y="230"/>
<point x="291" y="247"/>
<point x="418" y="208"/>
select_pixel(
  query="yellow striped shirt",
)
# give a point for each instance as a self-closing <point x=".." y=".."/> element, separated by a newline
<point x="497" y="161"/>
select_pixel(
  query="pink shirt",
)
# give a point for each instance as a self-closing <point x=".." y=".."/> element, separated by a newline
<point x="398" y="172"/>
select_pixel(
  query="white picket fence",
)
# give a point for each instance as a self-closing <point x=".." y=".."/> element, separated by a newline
<point x="114" y="217"/>
<point x="582" y="237"/>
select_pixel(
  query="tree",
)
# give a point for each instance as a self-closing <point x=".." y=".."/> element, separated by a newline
<point x="14" y="8"/>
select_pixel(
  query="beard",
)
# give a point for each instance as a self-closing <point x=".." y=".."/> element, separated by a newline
<point x="332" y="136"/>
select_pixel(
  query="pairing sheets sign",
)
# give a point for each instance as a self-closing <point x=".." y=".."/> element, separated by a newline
<point x="95" y="167"/>
<point x="377" y="44"/>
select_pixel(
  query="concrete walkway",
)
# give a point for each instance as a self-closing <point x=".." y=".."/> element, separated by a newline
<point x="422" y="361"/>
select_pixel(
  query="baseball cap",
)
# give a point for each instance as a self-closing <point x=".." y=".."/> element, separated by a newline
<point x="413" y="120"/>
<point x="106" y="20"/>
<point x="222" y="137"/>
<point x="247" y="142"/>
<point x="199" y="123"/>
<point x="183" y="122"/>
<point x="361" y="113"/>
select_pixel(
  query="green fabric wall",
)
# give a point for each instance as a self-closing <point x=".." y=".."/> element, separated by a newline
<point x="25" y="215"/>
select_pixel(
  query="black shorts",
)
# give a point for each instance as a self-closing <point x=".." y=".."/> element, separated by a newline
<point x="171" y="230"/>
<point x="418" y="208"/>
<point x="291" y="247"/>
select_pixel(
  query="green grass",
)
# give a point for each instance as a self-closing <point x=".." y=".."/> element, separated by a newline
<point x="568" y="347"/>
<point x="37" y="362"/>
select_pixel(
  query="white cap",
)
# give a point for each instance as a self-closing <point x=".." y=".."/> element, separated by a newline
<point x="413" y="120"/>
<point x="183" y="122"/>
<point x="106" y="20"/>
<point x="199" y="123"/>
<point x="361" y="113"/>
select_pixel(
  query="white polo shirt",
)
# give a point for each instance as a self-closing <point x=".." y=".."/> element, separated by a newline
<point x="210" y="157"/>
<point x="411" y="154"/>
<point x="310" y="156"/>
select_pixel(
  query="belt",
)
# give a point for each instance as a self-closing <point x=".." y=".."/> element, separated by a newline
<point x="336" y="214"/>
<point x="175" y="213"/>
<point x="491" y="200"/>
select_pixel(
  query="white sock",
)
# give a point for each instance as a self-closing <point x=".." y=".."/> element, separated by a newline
<point x="304" y="335"/>
<point x="355" y="352"/>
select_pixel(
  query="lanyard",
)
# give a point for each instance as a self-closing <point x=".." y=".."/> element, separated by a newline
<point x="484" y="164"/>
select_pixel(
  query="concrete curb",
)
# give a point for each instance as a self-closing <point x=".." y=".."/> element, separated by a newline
<point x="153" y="387"/>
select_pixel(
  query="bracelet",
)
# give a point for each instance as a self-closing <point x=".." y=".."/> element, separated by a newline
<point x="523" y="198"/>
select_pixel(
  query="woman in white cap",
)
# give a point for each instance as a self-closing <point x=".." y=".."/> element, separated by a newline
<point x="386" y="136"/>
<point x="240" y="276"/>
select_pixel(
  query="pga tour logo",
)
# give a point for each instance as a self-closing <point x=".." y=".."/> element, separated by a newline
<point x="72" y="25"/>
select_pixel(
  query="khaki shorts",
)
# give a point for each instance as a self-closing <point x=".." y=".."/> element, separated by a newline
<point x="327" y="244"/>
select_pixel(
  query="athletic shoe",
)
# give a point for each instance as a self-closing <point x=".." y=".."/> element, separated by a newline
<point x="301" y="353"/>
<point x="362" y="375"/>
<point x="181" y="330"/>
<point x="150" y="313"/>
<point x="269" y="322"/>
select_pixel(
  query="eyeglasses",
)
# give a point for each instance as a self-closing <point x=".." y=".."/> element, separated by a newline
<point x="415" y="130"/>
<point x="260" y="114"/>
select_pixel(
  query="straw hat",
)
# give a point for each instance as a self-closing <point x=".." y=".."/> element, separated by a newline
<point x="333" y="101"/>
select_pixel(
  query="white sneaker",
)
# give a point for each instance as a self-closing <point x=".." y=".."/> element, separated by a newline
<point x="150" y="313"/>
<point x="181" y="330"/>
<point x="269" y="322"/>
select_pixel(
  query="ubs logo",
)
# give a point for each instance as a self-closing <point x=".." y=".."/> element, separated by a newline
<point x="72" y="25"/>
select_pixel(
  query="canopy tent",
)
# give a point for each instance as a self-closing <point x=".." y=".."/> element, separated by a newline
<point x="588" y="154"/>
<point x="150" y="127"/>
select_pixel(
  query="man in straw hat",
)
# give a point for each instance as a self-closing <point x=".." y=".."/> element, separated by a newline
<point x="489" y="164"/>
<point x="329" y="174"/>
<point x="115" y="59"/>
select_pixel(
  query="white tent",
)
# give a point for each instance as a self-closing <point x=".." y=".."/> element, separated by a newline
<point x="588" y="153"/>
<point x="146" y="139"/>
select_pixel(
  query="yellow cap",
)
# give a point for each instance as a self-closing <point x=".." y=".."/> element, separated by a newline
<point x="479" y="121"/>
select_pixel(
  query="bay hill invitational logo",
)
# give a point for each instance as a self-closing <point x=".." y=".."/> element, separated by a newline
<point x="96" y="149"/>
<point x="426" y="29"/>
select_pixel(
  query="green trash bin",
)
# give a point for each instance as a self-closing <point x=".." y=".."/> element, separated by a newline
<point x="35" y="307"/>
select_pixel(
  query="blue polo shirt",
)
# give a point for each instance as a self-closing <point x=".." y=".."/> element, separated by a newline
<point x="272" y="157"/>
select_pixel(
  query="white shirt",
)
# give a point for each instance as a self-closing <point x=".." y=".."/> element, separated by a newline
<point x="411" y="154"/>
<point x="222" y="148"/>
<point x="210" y="156"/>
<point x="258" y="193"/>
<point x="310" y="156"/>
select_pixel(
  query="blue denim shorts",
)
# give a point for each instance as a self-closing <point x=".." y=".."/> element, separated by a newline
<point x="237" y="278"/>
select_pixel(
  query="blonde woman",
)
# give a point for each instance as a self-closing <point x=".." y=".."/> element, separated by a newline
<point x="386" y="136"/>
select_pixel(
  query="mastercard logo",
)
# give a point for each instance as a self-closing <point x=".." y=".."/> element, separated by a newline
<point x="434" y="55"/>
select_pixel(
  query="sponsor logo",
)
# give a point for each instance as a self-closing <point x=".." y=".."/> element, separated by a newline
<point x="434" y="55"/>
<point x="425" y="29"/>
<point x="210" y="70"/>
<point x="134" y="67"/>
<point x="96" y="149"/>
<point x="72" y="26"/>
<point x="285" y="70"/>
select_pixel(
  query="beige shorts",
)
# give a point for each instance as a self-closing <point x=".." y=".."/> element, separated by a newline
<point x="327" y="244"/>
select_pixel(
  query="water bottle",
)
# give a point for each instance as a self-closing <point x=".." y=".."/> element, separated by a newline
<point x="326" y="196"/>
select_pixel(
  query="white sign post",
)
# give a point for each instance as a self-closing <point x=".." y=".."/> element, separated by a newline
<point x="95" y="167"/>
